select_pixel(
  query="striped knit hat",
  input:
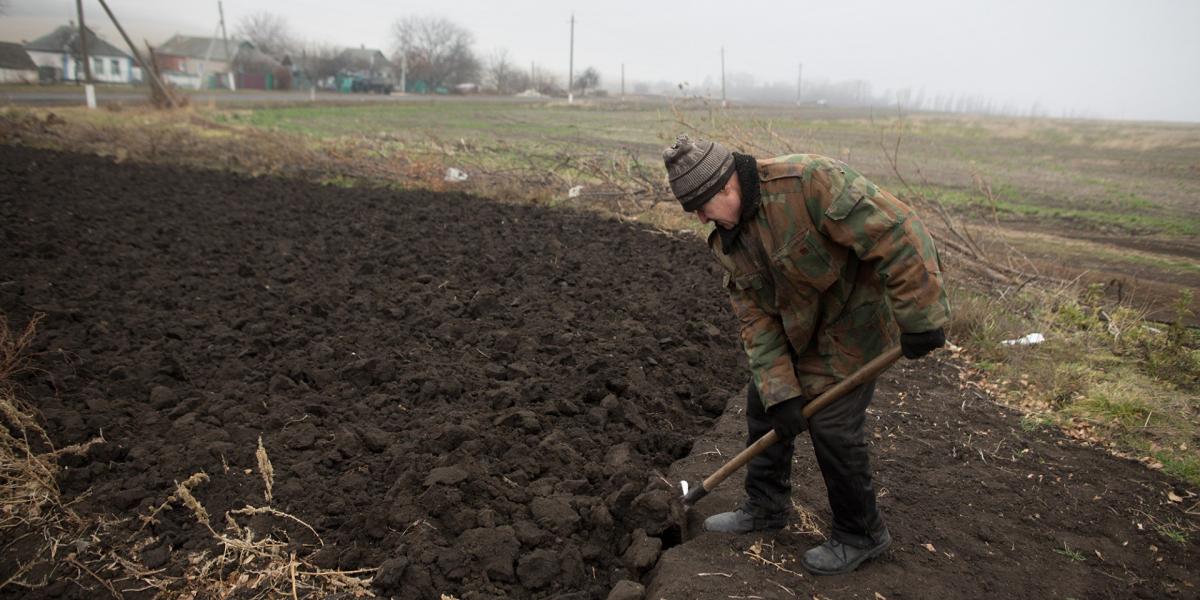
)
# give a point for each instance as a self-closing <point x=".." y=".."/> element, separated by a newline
<point x="697" y="170"/>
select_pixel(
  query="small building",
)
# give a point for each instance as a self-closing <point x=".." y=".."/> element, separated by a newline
<point x="368" y="63"/>
<point x="59" y="57"/>
<point x="197" y="62"/>
<point x="15" y="64"/>
<point x="257" y="70"/>
<point x="365" y="69"/>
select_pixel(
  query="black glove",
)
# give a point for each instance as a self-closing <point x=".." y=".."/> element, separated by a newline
<point x="916" y="345"/>
<point x="787" y="417"/>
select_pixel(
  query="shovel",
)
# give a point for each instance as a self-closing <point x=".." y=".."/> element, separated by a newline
<point x="868" y="372"/>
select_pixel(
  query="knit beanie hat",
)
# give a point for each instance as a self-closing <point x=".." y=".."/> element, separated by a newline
<point x="697" y="170"/>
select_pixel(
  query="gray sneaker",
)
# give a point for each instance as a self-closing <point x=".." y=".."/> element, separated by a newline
<point x="834" y="557"/>
<point x="741" y="521"/>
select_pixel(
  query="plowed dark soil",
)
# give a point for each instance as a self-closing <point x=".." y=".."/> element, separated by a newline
<point x="475" y="398"/>
<point x="469" y="394"/>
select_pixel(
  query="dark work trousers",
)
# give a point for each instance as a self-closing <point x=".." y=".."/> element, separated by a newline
<point x="840" y="440"/>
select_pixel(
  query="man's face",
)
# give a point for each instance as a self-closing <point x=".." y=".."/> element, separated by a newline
<point x="725" y="208"/>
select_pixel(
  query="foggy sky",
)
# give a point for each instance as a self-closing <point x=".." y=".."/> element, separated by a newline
<point x="1101" y="58"/>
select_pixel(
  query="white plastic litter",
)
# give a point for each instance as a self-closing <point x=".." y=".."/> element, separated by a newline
<point x="684" y="484"/>
<point x="1029" y="340"/>
<point x="453" y="174"/>
<point x="575" y="191"/>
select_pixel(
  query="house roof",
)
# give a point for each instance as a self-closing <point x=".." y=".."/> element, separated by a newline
<point x="65" y="39"/>
<point x="255" y="59"/>
<point x="13" y="56"/>
<point x="370" y="58"/>
<point x="363" y="53"/>
<point x="366" y="55"/>
<point x="198" y="47"/>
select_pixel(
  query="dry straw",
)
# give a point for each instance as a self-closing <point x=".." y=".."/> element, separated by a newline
<point x="61" y="544"/>
<point x="264" y="468"/>
<point x="31" y="505"/>
<point x="247" y="563"/>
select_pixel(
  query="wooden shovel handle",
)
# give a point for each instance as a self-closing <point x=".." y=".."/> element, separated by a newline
<point x="868" y="371"/>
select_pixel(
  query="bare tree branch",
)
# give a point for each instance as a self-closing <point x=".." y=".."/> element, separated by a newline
<point x="269" y="32"/>
<point x="501" y="74"/>
<point x="438" y="50"/>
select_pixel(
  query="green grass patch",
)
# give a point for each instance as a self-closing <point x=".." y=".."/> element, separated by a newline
<point x="486" y="122"/>
<point x="1128" y="213"/>
<point x="1134" y="384"/>
<point x="1071" y="554"/>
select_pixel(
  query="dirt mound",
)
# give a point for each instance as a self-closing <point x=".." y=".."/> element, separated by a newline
<point x="469" y="395"/>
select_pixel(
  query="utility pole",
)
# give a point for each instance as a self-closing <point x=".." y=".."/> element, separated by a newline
<point x="571" y="64"/>
<point x="622" y="81"/>
<point x="87" y="64"/>
<point x="403" y="72"/>
<point x="225" y="38"/>
<point x="799" y="83"/>
<point x="147" y="70"/>
<point x="723" y="102"/>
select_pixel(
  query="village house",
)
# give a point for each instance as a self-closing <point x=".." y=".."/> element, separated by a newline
<point x="364" y="69"/>
<point x="369" y="63"/>
<point x="15" y="64"/>
<point x="257" y="70"/>
<point x="58" y="57"/>
<point x="197" y="62"/>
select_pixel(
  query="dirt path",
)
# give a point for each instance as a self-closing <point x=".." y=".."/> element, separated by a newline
<point x="474" y="398"/>
<point x="978" y="507"/>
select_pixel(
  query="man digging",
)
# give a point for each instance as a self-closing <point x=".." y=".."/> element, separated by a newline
<point x="819" y="263"/>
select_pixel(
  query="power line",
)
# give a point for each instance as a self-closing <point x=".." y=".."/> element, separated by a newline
<point x="571" y="64"/>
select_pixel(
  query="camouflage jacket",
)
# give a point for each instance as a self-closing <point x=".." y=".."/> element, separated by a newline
<point x="822" y="270"/>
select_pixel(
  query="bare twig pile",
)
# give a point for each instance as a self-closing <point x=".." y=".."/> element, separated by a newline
<point x="248" y="563"/>
<point x="45" y="538"/>
<point x="1006" y="266"/>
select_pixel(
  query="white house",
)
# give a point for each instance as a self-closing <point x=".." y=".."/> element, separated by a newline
<point x="15" y="64"/>
<point x="58" y="53"/>
<point x="198" y="62"/>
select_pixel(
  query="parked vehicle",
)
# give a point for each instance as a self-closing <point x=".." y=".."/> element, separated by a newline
<point x="371" y="86"/>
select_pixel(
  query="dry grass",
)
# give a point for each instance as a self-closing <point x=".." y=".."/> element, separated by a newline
<point x="245" y="563"/>
<point x="1104" y="373"/>
<point x="806" y="522"/>
<point x="265" y="469"/>
<point x="763" y="553"/>
<point x="46" y="539"/>
<point x="613" y="180"/>
<point x="185" y="137"/>
<point x="252" y="564"/>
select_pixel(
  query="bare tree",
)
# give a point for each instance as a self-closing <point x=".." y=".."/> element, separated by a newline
<point x="500" y="72"/>
<point x="548" y="84"/>
<point x="269" y="32"/>
<point x="321" y="61"/>
<point x="589" y="78"/>
<point x="438" y="50"/>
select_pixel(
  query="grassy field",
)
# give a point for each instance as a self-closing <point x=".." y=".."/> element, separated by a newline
<point x="1128" y="178"/>
<point x="1100" y="216"/>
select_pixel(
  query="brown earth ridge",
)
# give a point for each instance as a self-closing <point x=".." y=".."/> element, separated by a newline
<point x="477" y="399"/>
